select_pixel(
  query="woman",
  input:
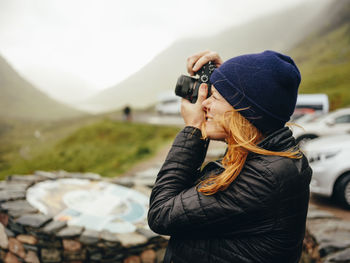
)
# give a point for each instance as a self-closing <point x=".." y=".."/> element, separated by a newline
<point x="251" y="206"/>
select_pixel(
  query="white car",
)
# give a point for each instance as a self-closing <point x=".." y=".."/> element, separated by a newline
<point x="329" y="158"/>
<point x="336" y="122"/>
<point x="168" y="103"/>
<point x="317" y="102"/>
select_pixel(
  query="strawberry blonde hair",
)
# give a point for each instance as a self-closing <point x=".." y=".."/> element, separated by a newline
<point x="242" y="138"/>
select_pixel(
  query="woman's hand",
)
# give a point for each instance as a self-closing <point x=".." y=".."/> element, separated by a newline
<point x="196" y="61"/>
<point x="193" y="114"/>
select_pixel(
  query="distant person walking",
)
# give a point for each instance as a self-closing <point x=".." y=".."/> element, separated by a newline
<point x="251" y="206"/>
<point x="127" y="113"/>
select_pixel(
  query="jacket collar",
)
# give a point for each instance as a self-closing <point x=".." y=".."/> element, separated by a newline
<point x="280" y="140"/>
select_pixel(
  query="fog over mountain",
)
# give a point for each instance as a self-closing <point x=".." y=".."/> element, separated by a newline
<point x="280" y="32"/>
<point x="19" y="99"/>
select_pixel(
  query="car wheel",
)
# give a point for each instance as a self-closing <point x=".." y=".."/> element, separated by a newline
<point x="301" y="140"/>
<point x="342" y="191"/>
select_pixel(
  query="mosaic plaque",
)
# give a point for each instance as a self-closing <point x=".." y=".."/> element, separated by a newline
<point x="94" y="205"/>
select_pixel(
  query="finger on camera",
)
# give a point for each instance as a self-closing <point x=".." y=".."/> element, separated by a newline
<point x="211" y="56"/>
<point x="191" y="61"/>
<point x="203" y="92"/>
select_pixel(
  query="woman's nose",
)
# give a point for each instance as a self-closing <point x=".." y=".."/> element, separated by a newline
<point x="205" y="104"/>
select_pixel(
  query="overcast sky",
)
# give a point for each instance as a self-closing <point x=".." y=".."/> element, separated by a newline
<point x="72" y="48"/>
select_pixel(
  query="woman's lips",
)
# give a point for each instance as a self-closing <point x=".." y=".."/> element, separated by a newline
<point x="209" y="118"/>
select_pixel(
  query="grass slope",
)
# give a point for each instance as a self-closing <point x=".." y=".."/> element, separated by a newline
<point x="106" y="147"/>
<point x="324" y="62"/>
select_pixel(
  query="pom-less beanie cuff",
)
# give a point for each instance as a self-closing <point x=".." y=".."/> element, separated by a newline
<point x="258" y="116"/>
<point x="262" y="86"/>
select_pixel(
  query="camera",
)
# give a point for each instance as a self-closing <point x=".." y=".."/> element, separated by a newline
<point x="187" y="87"/>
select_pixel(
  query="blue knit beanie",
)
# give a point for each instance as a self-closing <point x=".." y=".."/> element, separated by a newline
<point x="264" y="85"/>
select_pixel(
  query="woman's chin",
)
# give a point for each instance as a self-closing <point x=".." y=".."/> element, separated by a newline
<point x="216" y="135"/>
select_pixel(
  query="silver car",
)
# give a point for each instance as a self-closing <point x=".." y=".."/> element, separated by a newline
<point x="329" y="158"/>
<point x="336" y="122"/>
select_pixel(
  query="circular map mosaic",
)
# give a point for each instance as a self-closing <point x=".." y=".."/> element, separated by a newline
<point x="95" y="205"/>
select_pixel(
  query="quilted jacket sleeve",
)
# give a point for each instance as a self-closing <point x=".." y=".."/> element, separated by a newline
<point x="177" y="208"/>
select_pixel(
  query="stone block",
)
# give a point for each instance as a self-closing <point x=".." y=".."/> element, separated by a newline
<point x="33" y="220"/>
<point x="110" y="237"/>
<point x="128" y="240"/>
<point x="16" y="247"/>
<point x="113" y="256"/>
<point x="74" y="256"/>
<point x="148" y="256"/>
<point x="132" y="259"/>
<point x="318" y="214"/>
<point x="160" y="254"/>
<point x="47" y="175"/>
<point x="4" y="242"/>
<point x="31" y="179"/>
<point x="50" y="243"/>
<point x="15" y="186"/>
<point x="339" y="257"/>
<point x="95" y="255"/>
<point x="50" y="255"/>
<point x="92" y="176"/>
<point x="30" y="247"/>
<point x="4" y="219"/>
<point x="2" y="255"/>
<point x="326" y="248"/>
<point x="54" y="226"/>
<point x="70" y="232"/>
<point x="89" y="237"/>
<point x="18" y="208"/>
<point x="16" y="228"/>
<point x="9" y="195"/>
<point x="32" y="257"/>
<point x="27" y="239"/>
<point x="11" y="258"/>
<point x="71" y="245"/>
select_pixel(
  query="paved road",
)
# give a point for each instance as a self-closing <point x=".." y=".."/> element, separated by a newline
<point x="160" y="119"/>
<point x="329" y="205"/>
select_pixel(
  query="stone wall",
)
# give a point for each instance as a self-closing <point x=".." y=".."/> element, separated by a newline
<point x="26" y="235"/>
<point x="327" y="238"/>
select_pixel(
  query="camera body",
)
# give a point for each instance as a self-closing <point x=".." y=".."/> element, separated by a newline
<point x="187" y="87"/>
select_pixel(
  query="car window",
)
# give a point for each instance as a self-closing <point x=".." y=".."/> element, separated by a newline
<point x="342" y="119"/>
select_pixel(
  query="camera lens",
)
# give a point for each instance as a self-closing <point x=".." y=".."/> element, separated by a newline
<point x="184" y="86"/>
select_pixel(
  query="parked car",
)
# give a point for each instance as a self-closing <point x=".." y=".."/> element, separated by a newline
<point x="329" y="159"/>
<point x="336" y="122"/>
<point x="316" y="102"/>
<point x="304" y="115"/>
<point x="168" y="103"/>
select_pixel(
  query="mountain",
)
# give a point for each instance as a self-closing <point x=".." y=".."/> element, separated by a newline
<point x="276" y="31"/>
<point x="20" y="100"/>
<point x="324" y="56"/>
<point x="59" y="84"/>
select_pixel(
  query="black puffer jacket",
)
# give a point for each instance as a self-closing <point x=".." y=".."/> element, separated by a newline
<point x="260" y="217"/>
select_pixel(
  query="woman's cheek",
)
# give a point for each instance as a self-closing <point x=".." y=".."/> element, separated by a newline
<point x="215" y="131"/>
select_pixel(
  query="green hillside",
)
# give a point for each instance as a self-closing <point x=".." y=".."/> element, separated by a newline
<point x="324" y="57"/>
<point x="20" y="100"/>
<point x="106" y="147"/>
